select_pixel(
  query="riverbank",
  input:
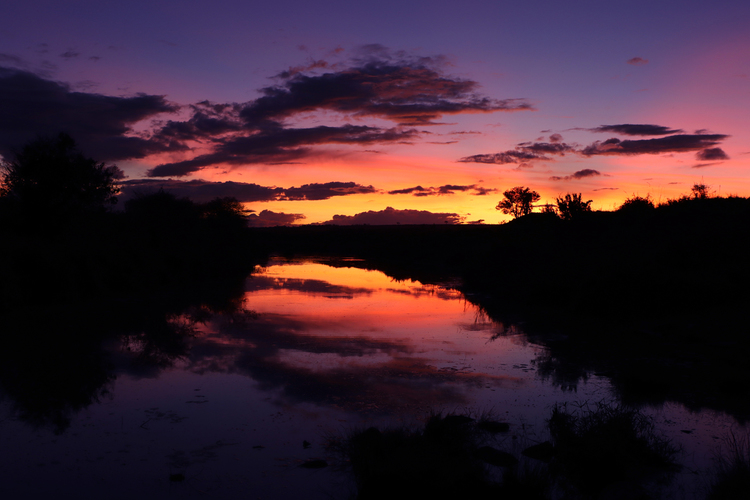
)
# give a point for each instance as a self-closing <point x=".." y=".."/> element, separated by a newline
<point x="655" y="299"/>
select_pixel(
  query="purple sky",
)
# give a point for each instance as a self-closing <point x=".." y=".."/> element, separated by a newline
<point x="388" y="107"/>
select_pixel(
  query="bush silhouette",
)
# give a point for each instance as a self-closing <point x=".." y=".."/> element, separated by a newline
<point x="571" y="206"/>
<point x="637" y="205"/>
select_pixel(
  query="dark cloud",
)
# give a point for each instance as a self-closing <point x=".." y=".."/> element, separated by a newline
<point x="501" y="158"/>
<point x="281" y="145"/>
<point x="524" y="153"/>
<point x="480" y="191"/>
<point x="711" y="154"/>
<point x="607" y="189"/>
<point x="452" y="188"/>
<point x="443" y="190"/>
<point x="325" y="191"/>
<point x="267" y="218"/>
<point x="101" y="125"/>
<point x="636" y="129"/>
<point x="637" y="61"/>
<point x="202" y="191"/>
<point x="391" y="216"/>
<point x="542" y="148"/>
<point x="581" y="174"/>
<point x="527" y="152"/>
<point x="413" y="190"/>
<point x="407" y="92"/>
<point x="208" y="120"/>
<point x="670" y="144"/>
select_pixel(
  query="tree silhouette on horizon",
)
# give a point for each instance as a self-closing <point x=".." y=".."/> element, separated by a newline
<point x="52" y="177"/>
<point x="518" y="201"/>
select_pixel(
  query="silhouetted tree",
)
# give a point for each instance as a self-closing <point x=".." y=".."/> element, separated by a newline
<point x="226" y="212"/>
<point x="518" y="201"/>
<point x="701" y="191"/>
<point x="571" y="206"/>
<point x="51" y="177"/>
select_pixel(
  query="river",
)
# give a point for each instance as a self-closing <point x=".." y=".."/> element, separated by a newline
<point x="311" y="353"/>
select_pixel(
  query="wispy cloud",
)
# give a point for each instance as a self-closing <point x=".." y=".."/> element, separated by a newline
<point x="581" y="174"/>
<point x="70" y="54"/>
<point x="444" y="190"/>
<point x="636" y="129"/>
<point x="637" y="61"/>
<point x="525" y="152"/>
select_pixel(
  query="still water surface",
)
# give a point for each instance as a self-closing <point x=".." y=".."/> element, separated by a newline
<point x="315" y="351"/>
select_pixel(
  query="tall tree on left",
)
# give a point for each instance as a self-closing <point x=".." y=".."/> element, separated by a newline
<point x="53" y="178"/>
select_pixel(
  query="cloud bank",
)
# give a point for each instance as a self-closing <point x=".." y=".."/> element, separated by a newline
<point x="581" y="174"/>
<point x="101" y="125"/>
<point x="202" y="191"/>
<point x="408" y="92"/>
<point x="267" y="218"/>
<point x="668" y="140"/>
<point x="392" y="216"/>
<point x="444" y="190"/>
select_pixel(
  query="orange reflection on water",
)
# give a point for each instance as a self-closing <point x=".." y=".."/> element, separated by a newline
<point x="357" y="340"/>
<point x="350" y="301"/>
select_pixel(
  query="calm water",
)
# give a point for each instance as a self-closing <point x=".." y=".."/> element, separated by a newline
<point x="314" y="352"/>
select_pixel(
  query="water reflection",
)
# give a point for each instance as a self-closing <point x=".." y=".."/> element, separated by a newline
<point x="56" y="363"/>
<point x="293" y="352"/>
<point x="382" y="350"/>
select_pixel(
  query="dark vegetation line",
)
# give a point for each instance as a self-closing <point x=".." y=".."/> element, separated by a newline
<point x="78" y="275"/>
<point x="655" y="297"/>
<point x="62" y="243"/>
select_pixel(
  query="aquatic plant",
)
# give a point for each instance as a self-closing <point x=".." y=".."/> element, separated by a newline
<point x="732" y="469"/>
<point x="601" y="445"/>
<point x="448" y="458"/>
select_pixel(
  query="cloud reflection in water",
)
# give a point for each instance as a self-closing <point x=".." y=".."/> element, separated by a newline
<point x="394" y="346"/>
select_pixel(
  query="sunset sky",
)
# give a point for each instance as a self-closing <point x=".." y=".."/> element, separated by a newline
<point x="389" y="111"/>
